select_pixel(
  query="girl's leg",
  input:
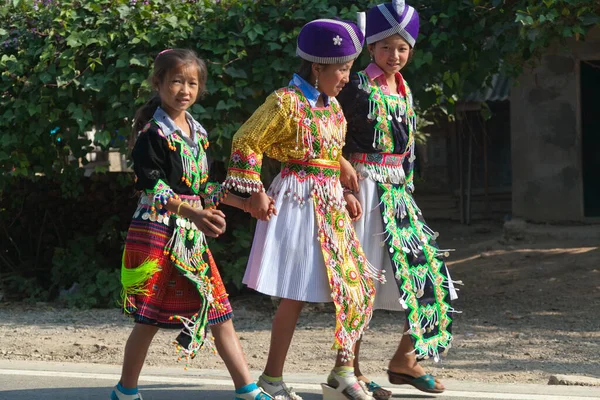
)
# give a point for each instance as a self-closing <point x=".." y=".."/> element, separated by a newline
<point x="229" y="348"/>
<point x="404" y="360"/>
<point x="136" y="350"/>
<point x="282" y="332"/>
<point x="356" y="365"/>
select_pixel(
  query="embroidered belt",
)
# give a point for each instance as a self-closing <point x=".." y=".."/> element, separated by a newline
<point x="194" y="201"/>
<point x="146" y="211"/>
<point x="381" y="167"/>
<point x="381" y="159"/>
<point x="316" y="168"/>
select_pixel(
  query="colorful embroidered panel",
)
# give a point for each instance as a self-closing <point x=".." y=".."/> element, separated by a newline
<point x="350" y="275"/>
<point x="419" y="271"/>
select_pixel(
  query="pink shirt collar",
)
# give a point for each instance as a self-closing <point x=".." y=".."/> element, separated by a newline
<point x="376" y="74"/>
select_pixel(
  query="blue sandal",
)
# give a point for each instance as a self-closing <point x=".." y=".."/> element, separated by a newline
<point x="121" y="393"/>
<point x="251" y="392"/>
<point x="425" y="383"/>
<point x="379" y="393"/>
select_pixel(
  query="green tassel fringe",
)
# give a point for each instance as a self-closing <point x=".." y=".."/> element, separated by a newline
<point x="134" y="279"/>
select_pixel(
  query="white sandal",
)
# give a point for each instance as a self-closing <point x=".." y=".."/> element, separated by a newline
<point x="344" y="388"/>
<point x="279" y="390"/>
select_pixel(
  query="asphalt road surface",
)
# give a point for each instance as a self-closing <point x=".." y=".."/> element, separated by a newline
<point x="26" y="380"/>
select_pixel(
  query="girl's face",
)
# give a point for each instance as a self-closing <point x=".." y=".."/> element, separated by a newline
<point x="390" y="54"/>
<point x="332" y="77"/>
<point x="179" y="88"/>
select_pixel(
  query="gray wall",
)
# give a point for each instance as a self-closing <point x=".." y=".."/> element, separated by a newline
<point x="546" y="135"/>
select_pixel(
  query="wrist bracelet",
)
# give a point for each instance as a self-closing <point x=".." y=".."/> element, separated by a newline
<point x="179" y="207"/>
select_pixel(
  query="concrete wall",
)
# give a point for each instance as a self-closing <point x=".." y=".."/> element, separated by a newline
<point x="546" y="135"/>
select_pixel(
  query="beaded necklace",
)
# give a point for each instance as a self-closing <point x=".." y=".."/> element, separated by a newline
<point x="318" y="129"/>
<point x="383" y="109"/>
<point x="195" y="172"/>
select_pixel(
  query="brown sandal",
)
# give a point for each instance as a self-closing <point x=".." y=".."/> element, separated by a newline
<point x="379" y="393"/>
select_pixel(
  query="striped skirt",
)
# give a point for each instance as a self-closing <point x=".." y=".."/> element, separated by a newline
<point x="167" y="293"/>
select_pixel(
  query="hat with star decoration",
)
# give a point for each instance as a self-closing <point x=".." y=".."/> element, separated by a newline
<point x="385" y="20"/>
<point x="330" y="41"/>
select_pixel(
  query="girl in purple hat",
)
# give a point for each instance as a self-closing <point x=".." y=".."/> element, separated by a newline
<point x="306" y="249"/>
<point x="381" y="148"/>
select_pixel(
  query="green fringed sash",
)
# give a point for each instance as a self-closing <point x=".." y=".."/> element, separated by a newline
<point x="134" y="279"/>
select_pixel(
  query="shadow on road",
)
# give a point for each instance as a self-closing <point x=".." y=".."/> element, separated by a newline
<point x="150" y="392"/>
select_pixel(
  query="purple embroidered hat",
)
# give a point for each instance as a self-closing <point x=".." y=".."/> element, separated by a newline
<point x="388" y="19"/>
<point x="329" y="41"/>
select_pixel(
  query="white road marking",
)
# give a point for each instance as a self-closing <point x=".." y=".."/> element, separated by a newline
<point x="302" y="386"/>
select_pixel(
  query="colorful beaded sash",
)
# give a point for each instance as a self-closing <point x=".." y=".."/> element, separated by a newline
<point x="419" y="271"/>
<point x="350" y="275"/>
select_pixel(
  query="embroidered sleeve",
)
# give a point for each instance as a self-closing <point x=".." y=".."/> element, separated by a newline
<point x="161" y="195"/>
<point x="150" y="165"/>
<point x="267" y="131"/>
<point x="212" y="190"/>
<point x="354" y="99"/>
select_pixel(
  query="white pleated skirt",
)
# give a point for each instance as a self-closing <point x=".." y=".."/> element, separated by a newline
<point x="286" y="259"/>
<point x="370" y="233"/>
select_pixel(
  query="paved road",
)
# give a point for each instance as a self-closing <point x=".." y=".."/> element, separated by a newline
<point x="25" y="380"/>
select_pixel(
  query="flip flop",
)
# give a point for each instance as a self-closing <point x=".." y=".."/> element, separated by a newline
<point x="425" y="383"/>
<point x="374" y="388"/>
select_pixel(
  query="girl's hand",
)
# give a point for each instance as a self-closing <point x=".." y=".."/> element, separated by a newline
<point x="348" y="176"/>
<point x="260" y="206"/>
<point x="353" y="206"/>
<point x="272" y="209"/>
<point x="210" y="222"/>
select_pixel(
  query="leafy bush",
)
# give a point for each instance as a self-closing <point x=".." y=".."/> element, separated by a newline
<point x="83" y="276"/>
<point x="82" y="66"/>
<point x="48" y="243"/>
<point x="70" y="67"/>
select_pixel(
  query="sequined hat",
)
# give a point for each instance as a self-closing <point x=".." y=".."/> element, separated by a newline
<point x="388" y="19"/>
<point x="329" y="41"/>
